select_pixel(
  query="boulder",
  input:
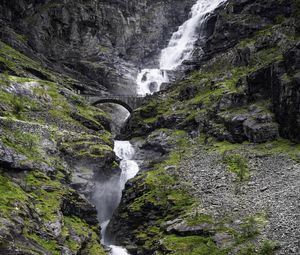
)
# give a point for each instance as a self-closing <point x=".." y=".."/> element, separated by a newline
<point x="204" y="229"/>
<point x="260" y="129"/>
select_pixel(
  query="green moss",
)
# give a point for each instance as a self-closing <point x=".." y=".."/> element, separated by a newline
<point x="162" y="194"/>
<point x="24" y="143"/>
<point x="16" y="61"/>
<point x="46" y="243"/>
<point x="268" y="247"/>
<point x="296" y="12"/>
<point x="18" y="105"/>
<point x="74" y="227"/>
<point x="246" y="43"/>
<point x="20" y="64"/>
<point x="280" y="146"/>
<point x="45" y="201"/>
<point x="95" y="150"/>
<point x="199" y="218"/>
<point x="267" y="56"/>
<point x="21" y="38"/>
<point x="192" y="245"/>
<point x="238" y="165"/>
<point x="12" y="196"/>
<point x="89" y="145"/>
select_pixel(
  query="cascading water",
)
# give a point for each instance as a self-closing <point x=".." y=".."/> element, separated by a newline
<point x="179" y="49"/>
<point x="109" y="193"/>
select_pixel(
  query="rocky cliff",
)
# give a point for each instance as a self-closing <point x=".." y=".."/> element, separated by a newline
<point x="100" y="43"/>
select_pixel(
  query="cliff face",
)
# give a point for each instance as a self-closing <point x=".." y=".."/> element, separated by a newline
<point x="91" y="40"/>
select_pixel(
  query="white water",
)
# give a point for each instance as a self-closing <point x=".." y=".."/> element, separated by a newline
<point x="125" y="151"/>
<point x="179" y="49"/>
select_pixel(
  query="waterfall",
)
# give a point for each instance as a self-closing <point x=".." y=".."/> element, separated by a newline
<point x="109" y="193"/>
<point x="179" y="49"/>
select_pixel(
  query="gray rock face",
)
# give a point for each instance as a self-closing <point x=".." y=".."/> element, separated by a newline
<point x="258" y="130"/>
<point x="92" y="40"/>
<point x="242" y="20"/>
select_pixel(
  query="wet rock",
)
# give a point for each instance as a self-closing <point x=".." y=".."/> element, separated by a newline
<point x="153" y="86"/>
<point x="132" y="249"/>
<point x="54" y="227"/>
<point x="10" y="159"/>
<point x="5" y="229"/>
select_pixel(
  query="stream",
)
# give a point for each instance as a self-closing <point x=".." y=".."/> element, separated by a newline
<point x="180" y="48"/>
<point x="125" y="151"/>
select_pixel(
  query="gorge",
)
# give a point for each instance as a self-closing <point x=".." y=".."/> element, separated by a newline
<point x="206" y="163"/>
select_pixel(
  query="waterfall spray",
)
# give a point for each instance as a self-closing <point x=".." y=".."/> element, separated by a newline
<point x="179" y="49"/>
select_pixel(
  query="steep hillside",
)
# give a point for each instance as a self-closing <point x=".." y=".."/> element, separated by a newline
<point x="49" y="135"/>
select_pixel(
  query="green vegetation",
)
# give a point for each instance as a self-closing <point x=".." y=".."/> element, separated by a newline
<point x="296" y="9"/>
<point x="192" y="245"/>
<point x="21" y="65"/>
<point x="199" y="218"/>
<point x="44" y="196"/>
<point x="268" y="247"/>
<point x="36" y="118"/>
<point x="277" y="147"/>
<point x="238" y="165"/>
<point x="210" y="86"/>
<point x="75" y="228"/>
<point x="12" y="198"/>
<point x="47" y="202"/>
<point x="24" y="143"/>
<point x="251" y="226"/>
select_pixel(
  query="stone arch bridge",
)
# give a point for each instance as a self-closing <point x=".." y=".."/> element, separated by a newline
<point x="128" y="102"/>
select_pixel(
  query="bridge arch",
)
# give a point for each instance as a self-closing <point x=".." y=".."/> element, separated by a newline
<point x="113" y="101"/>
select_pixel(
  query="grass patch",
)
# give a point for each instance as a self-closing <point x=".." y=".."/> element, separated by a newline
<point x="24" y="143"/>
<point x="11" y="196"/>
<point x="199" y="218"/>
<point x="47" y="202"/>
<point x="192" y="245"/>
<point x="237" y="164"/>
